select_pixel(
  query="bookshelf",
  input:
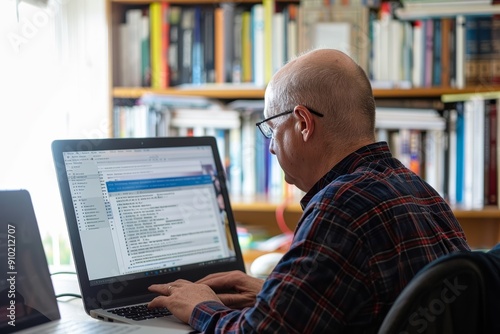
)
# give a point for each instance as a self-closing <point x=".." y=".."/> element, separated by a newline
<point x="482" y="226"/>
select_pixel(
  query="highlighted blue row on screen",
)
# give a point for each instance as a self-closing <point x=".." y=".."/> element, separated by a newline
<point x="168" y="182"/>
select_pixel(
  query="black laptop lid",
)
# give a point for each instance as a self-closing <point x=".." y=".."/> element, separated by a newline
<point x="27" y="296"/>
<point x="144" y="211"/>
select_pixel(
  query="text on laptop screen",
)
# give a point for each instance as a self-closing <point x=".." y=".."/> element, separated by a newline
<point x="155" y="209"/>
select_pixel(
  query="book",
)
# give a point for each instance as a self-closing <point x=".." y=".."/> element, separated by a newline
<point x="237" y="36"/>
<point x="437" y="53"/>
<point x="333" y="35"/>
<point x="477" y="161"/>
<point x="156" y="46"/>
<point x="428" y="52"/>
<point x="292" y="42"/>
<point x="418" y="42"/>
<point x="134" y="36"/>
<point x="269" y="10"/>
<point x="357" y="14"/>
<point x="446" y="42"/>
<point x="174" y="40"/>
<point x="460" y="154"/>
<point x="459" y="51"/>
<point x="228" y="31"/>
<point x="198" y="62"/>
<point x="246" y="47"/>
<point x="259" y="52"/>
<point x="451" y="157"/>
<point x="490" y="153"/>
<point x="471" y="51"/>
<point x="485" y="53"/>
<point x="495" y="45"/>
<point x="186" y="42"/>
<point x="219" y="42"/>
<point x="208" y="40"/>
<point x="278" y="42"/>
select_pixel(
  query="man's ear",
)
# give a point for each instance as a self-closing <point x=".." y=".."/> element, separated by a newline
<point x="305" y="121"/>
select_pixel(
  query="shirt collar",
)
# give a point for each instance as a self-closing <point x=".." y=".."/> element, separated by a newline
<point x="349" y="164"/>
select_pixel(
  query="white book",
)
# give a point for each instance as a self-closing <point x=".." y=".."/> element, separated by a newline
<point x="468" y="154"/>
<point x="418" y="43"/>
<point x="384" y="49"/>
<point x="259" y="50"/>
<point x="460" y="51"/>
<point x="394" y="61"/>
<point x="134" y="35"/>
<point x="292" y="42"/>
<point x="478" y="107"/>
<point x="124" y="75"/>
<point x="333" y="35"/>
<point x="210" y="118"/>
<point x="452" y="156"/>
<point x="235" y="158"/>
<point x="248" y="149"/>
<point x="376" y="59"/>
<point x="278" y="53"/>
<point x="405" y="118"/>
<point x="434" y="159"/>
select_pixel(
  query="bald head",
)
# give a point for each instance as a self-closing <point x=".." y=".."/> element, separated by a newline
<point x="331" y="83"/>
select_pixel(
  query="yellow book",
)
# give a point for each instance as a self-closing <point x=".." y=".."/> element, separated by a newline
<point x="269" y="8"/>
<point x="156" y="45"/>
<point x="246" y="43"/>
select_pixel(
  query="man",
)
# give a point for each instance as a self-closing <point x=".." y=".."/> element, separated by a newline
<point x="369" y="223"/>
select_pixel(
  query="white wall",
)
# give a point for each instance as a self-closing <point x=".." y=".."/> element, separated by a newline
<point x="53" y="84"/>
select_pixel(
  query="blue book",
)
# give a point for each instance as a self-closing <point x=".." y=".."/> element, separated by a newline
<point x="197" y="75"/>
<point x="460" y="129"/>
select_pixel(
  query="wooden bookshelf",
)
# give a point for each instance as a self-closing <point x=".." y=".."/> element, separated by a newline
<point x="482" y="227"/>
<point x="238" y="92"/>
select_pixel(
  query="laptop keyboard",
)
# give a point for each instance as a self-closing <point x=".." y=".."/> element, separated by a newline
<point x="140" y="312"/>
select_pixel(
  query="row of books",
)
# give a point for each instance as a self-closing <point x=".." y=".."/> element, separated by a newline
<point x="446" y="52"/>
<point x="163" y="45"/>
<point x="416" y="137"/>
<point x="473" y="153"/>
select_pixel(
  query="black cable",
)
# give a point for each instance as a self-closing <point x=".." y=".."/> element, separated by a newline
<point x="75" y="295"/>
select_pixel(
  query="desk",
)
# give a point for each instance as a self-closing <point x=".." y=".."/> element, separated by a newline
<point x="69" y="307"/>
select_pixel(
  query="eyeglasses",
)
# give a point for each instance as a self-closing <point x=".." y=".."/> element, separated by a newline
<point x="267" y="131"/>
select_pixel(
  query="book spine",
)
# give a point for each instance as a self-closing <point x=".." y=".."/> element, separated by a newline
<point x="446" y="54"/>
<point x="174" y="19"/>
<point x="429" y="51"/>
<point x="437" y="53"/>
<point x="208" y="45"/>
<point x="471" y="50"/>
<point x="492" y="184"/>
<point x="197" y="56"/>
<point x="187" y="36"/>
<point x="417" y="44"/>
<point x="269" y="10"/>
<point x="460" y="51"/>
<point x="258" y="46"/>
<point x="246" y="53"/>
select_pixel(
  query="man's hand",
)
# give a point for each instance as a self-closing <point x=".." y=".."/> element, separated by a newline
<point x="235" y="289"/>
<point x="181" y="296"/>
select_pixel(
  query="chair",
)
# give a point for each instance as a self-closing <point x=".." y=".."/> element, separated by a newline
<point x="457" y="293"/>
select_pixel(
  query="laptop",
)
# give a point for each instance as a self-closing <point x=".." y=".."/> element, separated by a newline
<point x="28" y="303"/>
<point x="143" y="211"/>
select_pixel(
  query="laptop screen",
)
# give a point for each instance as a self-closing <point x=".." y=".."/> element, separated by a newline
<point x="150" y="210"/>
<point x="27" y="296"/>
<point x="142" y="211"/>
